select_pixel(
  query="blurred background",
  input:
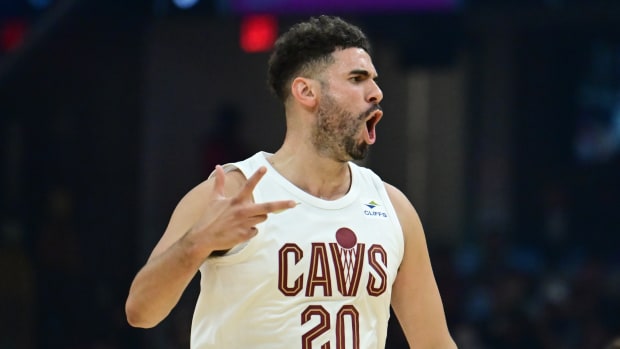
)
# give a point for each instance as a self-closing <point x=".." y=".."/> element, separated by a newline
<point x="502" y="125"/>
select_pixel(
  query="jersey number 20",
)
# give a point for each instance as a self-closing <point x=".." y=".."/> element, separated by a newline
<point x="324" y="325"/>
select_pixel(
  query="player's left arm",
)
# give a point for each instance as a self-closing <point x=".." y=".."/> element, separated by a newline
<point x="415" y="297"/>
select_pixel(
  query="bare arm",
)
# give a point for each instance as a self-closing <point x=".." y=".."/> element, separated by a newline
<point x="216" y="215"/>
<point x="415" y="297"/>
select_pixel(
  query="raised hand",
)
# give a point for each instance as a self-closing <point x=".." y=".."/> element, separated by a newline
<point x="231" y="220"/>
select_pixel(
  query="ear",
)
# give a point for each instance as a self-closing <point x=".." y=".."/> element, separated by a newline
<point x="305" y="91"/>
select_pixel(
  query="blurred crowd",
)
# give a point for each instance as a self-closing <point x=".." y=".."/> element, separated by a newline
<point x="501" y="294"/>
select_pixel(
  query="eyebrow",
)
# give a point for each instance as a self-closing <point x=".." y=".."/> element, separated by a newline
<point x="363" y="72"/>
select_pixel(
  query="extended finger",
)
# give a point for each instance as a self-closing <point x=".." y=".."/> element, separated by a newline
<point x="250" y="184"/>
<point x="253" y="210"/>
<point x="274" y="206"/>
<point x="254" y="221"/>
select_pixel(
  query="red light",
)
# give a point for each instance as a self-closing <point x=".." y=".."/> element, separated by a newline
<point x="12" y="34"/>
<point x="258" y="33"/>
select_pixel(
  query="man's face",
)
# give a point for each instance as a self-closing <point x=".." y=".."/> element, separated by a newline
<point x="348" y="109"/>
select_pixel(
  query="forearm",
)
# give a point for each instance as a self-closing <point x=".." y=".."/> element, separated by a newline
<point x="433" y="334"/>
<point x="159" y="285"/>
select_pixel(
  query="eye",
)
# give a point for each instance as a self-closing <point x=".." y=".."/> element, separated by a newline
<point x="357" y="78"/>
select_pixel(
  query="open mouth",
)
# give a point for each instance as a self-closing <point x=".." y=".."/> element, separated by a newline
<point x="370" y="125"/>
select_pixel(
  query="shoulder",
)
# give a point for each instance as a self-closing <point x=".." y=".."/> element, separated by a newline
<point x="366" y="175"/>
<point x="193" y="205"/>
<point x="406" y="212"/>
<point x="195" y="201"/>
<point x="399" y="200"/>
<point x="204" y="191"/>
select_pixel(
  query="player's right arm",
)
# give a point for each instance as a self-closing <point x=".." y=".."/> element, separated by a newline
<point x="216" y="215"/>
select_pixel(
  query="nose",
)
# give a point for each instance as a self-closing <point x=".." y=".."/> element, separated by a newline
<point x="376" y="95"/>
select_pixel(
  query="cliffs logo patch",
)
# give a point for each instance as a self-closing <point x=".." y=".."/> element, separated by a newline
<point x="373" y="209"/>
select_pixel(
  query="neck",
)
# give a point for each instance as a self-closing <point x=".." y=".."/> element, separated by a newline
<point x="318" y="176"/>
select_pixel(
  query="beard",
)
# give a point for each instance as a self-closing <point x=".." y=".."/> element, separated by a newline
<point x="336" y="132"/>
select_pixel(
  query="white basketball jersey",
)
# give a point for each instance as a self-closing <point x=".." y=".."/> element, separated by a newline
<point x="315" y="276"/>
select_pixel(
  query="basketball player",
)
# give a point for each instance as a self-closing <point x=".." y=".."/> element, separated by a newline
<point x="301" y="248"/>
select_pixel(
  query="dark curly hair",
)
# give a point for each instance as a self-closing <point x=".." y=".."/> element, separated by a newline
<point x="307" y="47"/>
